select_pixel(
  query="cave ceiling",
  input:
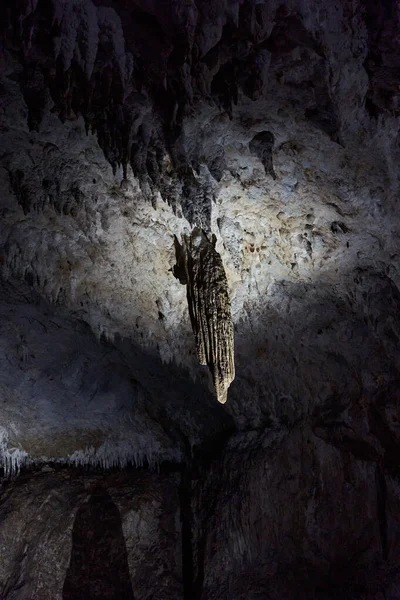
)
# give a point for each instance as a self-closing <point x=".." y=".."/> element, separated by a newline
<point x="271" y="130"/>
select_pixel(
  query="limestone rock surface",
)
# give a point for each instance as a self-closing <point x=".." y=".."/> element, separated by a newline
<point x="272" y="128"/>
<point x="70" y="535"/>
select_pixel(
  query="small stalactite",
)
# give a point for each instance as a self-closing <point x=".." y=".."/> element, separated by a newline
<point x="200" y="267"/>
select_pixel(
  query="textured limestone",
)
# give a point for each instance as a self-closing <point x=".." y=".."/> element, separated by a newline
<point x="209" y="308"/>
<point x="299" y="517"/>
<point x="273" y="126"/>
<point x="68" y="398"/>
<point x="49" y="536"/>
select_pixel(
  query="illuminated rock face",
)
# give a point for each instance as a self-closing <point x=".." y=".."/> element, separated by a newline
<point x="209" y="309"/>
<point x="263" y="138"/>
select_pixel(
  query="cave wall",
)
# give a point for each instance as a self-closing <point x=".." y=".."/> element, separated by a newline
<point x="72" y="399"/>
<point x="273" y="128"/>
<point x="57" y="524"/>
<point x="300" y="515"/>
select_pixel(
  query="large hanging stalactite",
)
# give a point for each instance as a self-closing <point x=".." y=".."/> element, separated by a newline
<point x="200" y="266"/>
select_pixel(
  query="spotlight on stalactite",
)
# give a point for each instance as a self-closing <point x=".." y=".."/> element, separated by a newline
<point x="200" y="267"/>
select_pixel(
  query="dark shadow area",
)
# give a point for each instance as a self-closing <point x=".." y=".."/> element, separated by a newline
<point x="163" y="396"/>
<point x="98" y="568"/>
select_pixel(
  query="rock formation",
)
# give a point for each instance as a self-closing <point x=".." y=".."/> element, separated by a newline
<point x="209" y="308"/>
<point x="262" y="137"/>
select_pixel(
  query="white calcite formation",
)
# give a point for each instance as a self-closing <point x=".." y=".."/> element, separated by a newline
<point x="257" y="142"/>
<point x="295" y="183"/>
